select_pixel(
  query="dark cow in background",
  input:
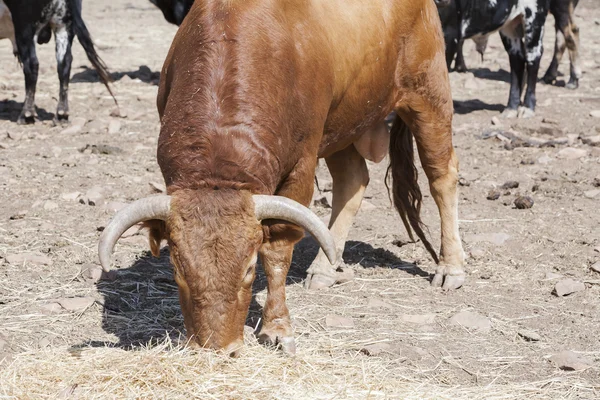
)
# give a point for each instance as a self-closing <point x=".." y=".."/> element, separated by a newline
<point x="35" y="21"/>
<point x="567" y="36"/>
<point x="7" y="30"/>
<point x="174" y="10"/>
<point x="521" y="26"/>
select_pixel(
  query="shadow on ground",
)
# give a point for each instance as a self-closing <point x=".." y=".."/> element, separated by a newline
<point x="143" y="73"/>
<point x="10" y="110"/>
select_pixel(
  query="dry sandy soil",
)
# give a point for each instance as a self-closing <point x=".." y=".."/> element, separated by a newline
<point x="384" y="334"/>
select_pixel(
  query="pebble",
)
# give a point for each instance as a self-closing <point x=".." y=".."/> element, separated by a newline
<point x="524" y="202"/>
<point x="29" y="258"/>
<point x="51" y="308"/>
<point x="72" y="196"/>
<point x="472" y="320"/>
<point x="50" y="205"/>
<point x="568" y="286"/>
<point x="76" y="304"/>
<point x="571" y="153"/>
<point x="530" y="336"/>
<point x="493" y="194"/>
<point x="510" y="185"/>
<point x="377" y="348"/>
<point x="596" y="182"/>
<point x="322" y="201"/>
<point x="590" y="194"/>
<point x="118" y="113"/>
<point x="596" y="267"/>
<point x="552" y="276"/>
<point x="343" y="275"/>
<point x="95" y="126"/>
<point x="418" y="319"/>
<point x="114" y="127"/>
<point x="157" y="187"/>
<point x="78" y="121"/>
<point x="379" y="304"/>
<point x="93" y="196"/>
<point x="545" y="160"/>
<point x="496" y="121"/>
<point x="72" y="130"/>
<point x="591" y="140"/>
<point x="595" y="113"/>
<point x="338" y="321"/>
<point x="571" y="361"/>
<point x="477" y="253"/>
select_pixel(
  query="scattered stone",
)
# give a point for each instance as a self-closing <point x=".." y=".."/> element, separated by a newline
<point x="78" y="121"/>
<point x="568" y="286"/>
<point x="463" y="182"/>
<point x="76" y="304"/>
<point x="472" y="320"/>
<point x="530" y="336"/>
<point x="50" y="205"/>
<point x="477" y="253"/>
<point x="494" y="194"/>
<point x="379" y="304"/>
<point x="44" y="342"/>
<point x="51" y="308"/>
<point x="524" y="202"/>
<point x="15" y="135"/>
<point x="571" y="153"/>
<point x="322" y="201"/>
<point x="595" y="113"/>
<point x="570" y="361"/>
<point x="550" y="121"/>
<point x="527" y="161"/>
<point x="70" y="196"/>
<point x="496" y="121"/>
<point x="337" y="321"/>
<point x="95" y="273"/>
<point x="418" y="319"/>
<point x="596" y="266"/>
<point x="158" y="187"/>
<point x="377" y="348"/>
<point x="591" y="140"/>
<point x="30" y="258"/>
<point x="596" y="182"/>
<point x="118" y="113"/>
<point x="18" y="215"/>
<point x="510" y="185"/>
<point x="545" y="160"/>
<point x="114" y="127"/>
<point x="95" y="126"/>
<point x="72" y="130"/>
<point x="100" y="149"/>
<point x="590" y="194"/>
<point x="496" y="238"/>
<point x="535" y="187"/>
<point x="552" y="276"/>
<point x="93" y="197"/>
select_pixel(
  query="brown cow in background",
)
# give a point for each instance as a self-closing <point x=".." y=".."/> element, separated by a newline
<point x="252" y="93"/>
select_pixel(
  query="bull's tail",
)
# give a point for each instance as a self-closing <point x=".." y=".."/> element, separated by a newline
<point x="405" y="186"/>
<point x="83" y="35"/>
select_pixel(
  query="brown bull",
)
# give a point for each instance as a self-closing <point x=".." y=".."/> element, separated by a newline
<point x="252" y="93"/>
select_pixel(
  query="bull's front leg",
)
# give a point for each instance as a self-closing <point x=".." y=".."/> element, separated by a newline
<point x="28" y="57"/>
<point x="513" y="44"/>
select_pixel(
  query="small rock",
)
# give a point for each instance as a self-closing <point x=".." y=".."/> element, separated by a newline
<point x="322" y="201"/>
<point x="377" y="348"/>
<point x="70" y="196"/>
<point x="572" y="138"/>
<point x="567" y="287"/>
<point x="596" y="267"/>
<point x="496" y="121"/>
<point x="100" y="149"/>
<point x="50" y="205"/>
<point x="30" y="258"/>
<point x="72" y="130"/>
<point x="379" y="304"/>
<point x="93" y="197"/>
<point x="95" y="273"/>
<point x="337" y="321"/>
<point x="523" y="202"/>
<point x="545" y="160"/>
<point x="114" y="127"/>
<point x="477" y="253"/>
<point x="496" y="238"/>
<point x="591" y="140"/>
<point x="118" y="113"/>
<point x="535" y="187"/>
<point x="590" y="194"/>
<point x="158" y="187"/>
<point x="596" y="182"/>
<point x="494" y="194"/>
<point x="95" y="126"/>
<point x="550" y="121"/>
<point x="18" y="215"/>
<point x="44" y="342"/>
<point x="530" y="336"/>
<point x="76" y="304"/>
<point x="552" y="276"/>
<point x="463" y="182"/>
<point x="418" y="319"/>
<point x="51" y="308"/>
<point x="15" y="135"/>
<point x="595" y="113"/>
<point x="472" y="320"/>
<point x="571" y="153"/>
<point x="78" y="121"/>
<point x="510" y="185"/>
<point x="570" y="361"/>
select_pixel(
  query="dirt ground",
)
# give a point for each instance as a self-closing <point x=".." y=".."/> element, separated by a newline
<point x="384" y="334"/>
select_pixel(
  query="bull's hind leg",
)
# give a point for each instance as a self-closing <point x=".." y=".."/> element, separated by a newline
<point x="28" y="57"/>
<point x="350" y="178"/>
<point x="534" y="48"/>
<point x="64" y="38"/>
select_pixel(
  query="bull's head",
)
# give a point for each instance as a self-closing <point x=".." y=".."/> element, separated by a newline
<point x="214" y="237"/>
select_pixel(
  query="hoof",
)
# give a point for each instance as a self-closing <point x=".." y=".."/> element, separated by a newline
<point x="573" y="84"/>
<point x="549" y="79"/>
<point x="525" y="112"/>
<point x="26" y="118"/>
<point x="448" y="278"/>
<point x="279" y="339"/>
<point x="509" y="113"/>
<point x="319" y="281"/>
<point x="61" y="116"/>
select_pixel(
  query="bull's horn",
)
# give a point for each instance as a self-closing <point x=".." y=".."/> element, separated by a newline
<point x="155" y="207"/>
<point x="278" y="207"/>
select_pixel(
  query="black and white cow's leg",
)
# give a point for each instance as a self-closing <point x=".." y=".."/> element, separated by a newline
<point x="514" y="46"/>
<point x="460" y="65"/>
<point x="28" y="57"/>
<point x="534" y="21"/>
<point x="64" y="39"/>
<point x="560" y="46"/>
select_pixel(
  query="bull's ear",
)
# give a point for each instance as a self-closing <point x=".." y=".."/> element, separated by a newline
<point x="157" y="231"/>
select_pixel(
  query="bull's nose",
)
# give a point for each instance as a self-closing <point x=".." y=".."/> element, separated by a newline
<point x="233" y="349"/>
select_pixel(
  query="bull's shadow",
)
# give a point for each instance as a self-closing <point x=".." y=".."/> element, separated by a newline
<point x="10" y="110"/>
<point x="143" y="73"/>
<point x="469" y="106"/>
<point x="501" y="75"/>
<point x="141" y="303"/>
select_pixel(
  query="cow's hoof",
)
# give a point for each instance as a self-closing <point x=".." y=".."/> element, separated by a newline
<point x="448" y="277"/>
<point x="319" y="281"/>
<point x="461" y="68"/>
<point x="26" y="118"/>
<point x="279" y="337"/>
<point x="526" y="112"/>
<point x="573" y="84"/>
<point x="62" y="116"/>
<point x="549" y="79"/>
<point x="509" y="113"/>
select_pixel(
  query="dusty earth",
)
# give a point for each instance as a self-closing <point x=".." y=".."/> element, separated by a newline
<point x="384" y="334"/>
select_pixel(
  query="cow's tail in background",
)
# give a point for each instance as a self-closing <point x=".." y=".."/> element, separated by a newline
<point x="405" y="186"/>
<point x="83" y="35"/>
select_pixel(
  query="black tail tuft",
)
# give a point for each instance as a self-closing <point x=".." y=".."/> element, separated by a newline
<point x="83" y="35"/>
<point x="405" y="186"/>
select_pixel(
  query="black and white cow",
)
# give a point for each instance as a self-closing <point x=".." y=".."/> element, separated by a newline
<point x="174" y="10"/>
<point x="7" y="30"/>
<point x="567" y="35"/>
<point x="35" y="21"/>
<point x="521" y="26"/>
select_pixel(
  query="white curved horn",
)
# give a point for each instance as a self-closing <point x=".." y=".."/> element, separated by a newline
<point x="279" y="207"/>
<point x="155" y="207"/>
